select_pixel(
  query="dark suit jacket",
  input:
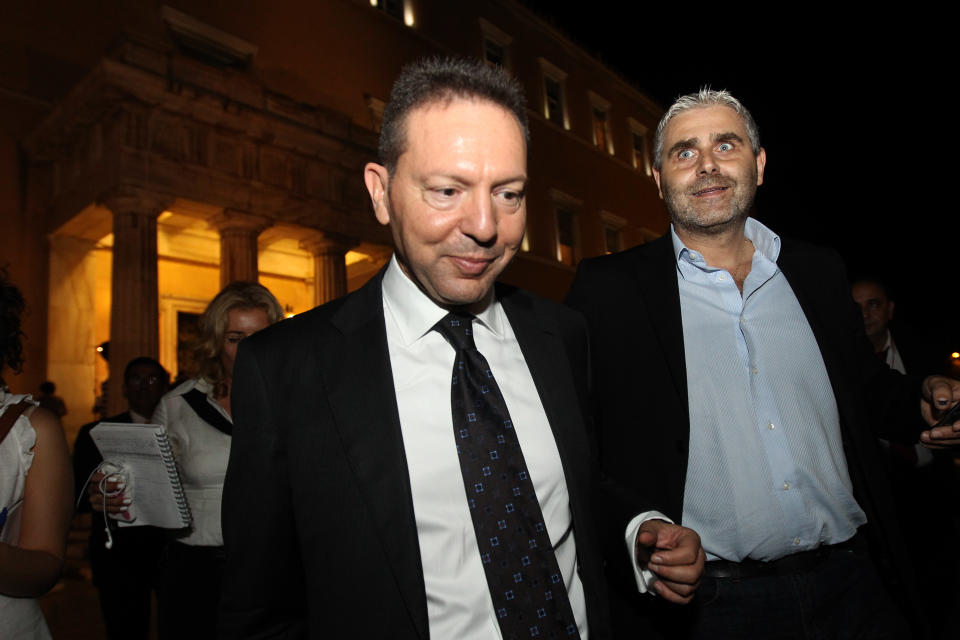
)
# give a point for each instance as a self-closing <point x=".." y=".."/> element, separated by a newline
<point x="632" y="304"/>
<point x="318" y="516"/>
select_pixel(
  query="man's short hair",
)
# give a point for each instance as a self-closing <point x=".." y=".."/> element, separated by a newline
<point x="144" y="360"/>
<point x="441" y="80"/>
<point x="706" y="97"/>
<point x="869" y="278"/>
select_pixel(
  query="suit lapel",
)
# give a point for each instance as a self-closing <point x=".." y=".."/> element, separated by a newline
<point x="544" y="353"/>
<point x="656" y="273"/>
<point x="359" y="383"/>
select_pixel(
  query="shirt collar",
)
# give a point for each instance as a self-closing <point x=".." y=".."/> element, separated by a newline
<point x="765" y="241"/>
<point x="415" y="313"/>
<point x="888" y="341"/>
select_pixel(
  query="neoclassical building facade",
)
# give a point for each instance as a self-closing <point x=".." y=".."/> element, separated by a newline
<point x="153" y="152"/>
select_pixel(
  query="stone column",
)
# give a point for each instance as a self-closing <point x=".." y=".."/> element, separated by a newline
<point x="329" y="265"/>
<point x="134" y="304"/>
<point x="238" y="244"/>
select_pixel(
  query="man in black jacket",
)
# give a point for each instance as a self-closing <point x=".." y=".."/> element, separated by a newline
<point x="125" y="573"/>
<point x="735" y="393"/>
<point x="350" y="508"/>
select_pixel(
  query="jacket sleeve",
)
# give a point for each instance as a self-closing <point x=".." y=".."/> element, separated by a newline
<point x="622" y="440"/>
<point x="263" y="586"/>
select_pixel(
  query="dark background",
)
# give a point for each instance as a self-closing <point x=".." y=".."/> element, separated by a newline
<point x="857" y="116"/>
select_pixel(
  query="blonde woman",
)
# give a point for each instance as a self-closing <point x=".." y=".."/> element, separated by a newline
<point x="197" y="417"/>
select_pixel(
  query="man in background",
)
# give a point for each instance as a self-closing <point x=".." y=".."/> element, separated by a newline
<point x="49" y="400"/>
<point x="924" y="481"/>
<point x="877" y="308"/>
<point x="125" y="572"/>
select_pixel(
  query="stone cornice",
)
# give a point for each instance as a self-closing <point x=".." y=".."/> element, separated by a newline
<point x="320" y="243"/>
<point x="150" y="118"/>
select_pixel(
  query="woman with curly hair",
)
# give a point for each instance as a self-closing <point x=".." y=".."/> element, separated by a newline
<point x="197" y="418"/>
<point x="35" y="489"/>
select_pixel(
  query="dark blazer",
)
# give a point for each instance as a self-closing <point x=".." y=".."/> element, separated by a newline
<point x="632" y="304"/>
<point x="318" y="518"/>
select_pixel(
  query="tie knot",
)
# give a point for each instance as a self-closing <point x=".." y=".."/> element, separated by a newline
<point x="458" y="329"/>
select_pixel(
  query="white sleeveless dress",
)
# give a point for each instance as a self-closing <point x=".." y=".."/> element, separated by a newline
<point x="20" y="618"/>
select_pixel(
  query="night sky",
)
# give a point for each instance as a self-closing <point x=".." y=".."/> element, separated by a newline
<point x="858" y="158"/>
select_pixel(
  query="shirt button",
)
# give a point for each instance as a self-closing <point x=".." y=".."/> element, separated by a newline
<point x="755" y="370"/>
<point x="786" y="486"/>
<point x="796" y="541"/>
<point x="771" y="426"/>
<point x="721" y="277"/>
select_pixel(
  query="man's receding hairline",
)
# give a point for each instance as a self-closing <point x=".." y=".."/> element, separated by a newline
<point x="702" y="99"/>
<point x="447" y="98"/>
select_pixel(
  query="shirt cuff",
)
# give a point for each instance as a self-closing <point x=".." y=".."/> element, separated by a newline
<point x="643" y="576"/>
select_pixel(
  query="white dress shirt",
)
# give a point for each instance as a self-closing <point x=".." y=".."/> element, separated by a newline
<point x="892" y="355"/>
<point x="458" y="599"/>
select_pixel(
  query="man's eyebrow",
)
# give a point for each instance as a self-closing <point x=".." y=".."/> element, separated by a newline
<point x="729" y="136"/>
<point x="463" y="181"/>
<point x="522" y="178"/>
<point x="683" y="144"/>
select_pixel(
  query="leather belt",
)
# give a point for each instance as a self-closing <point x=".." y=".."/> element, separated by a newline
<point x="799" y="562"/>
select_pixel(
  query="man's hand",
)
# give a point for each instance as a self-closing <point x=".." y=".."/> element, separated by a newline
<point x="939" y="394"/>
<point x="674" y="554"/>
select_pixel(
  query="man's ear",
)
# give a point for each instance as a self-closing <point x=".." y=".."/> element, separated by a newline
<point x="377" y="179"/>
<point x="656" y="178"/>
<point x="761" y="163"/>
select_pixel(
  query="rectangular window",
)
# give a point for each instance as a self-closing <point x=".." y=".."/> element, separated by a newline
<point x="639" y="149"/>
<point x="612" y="231"/>
<point x="496" y="44"/>
<point x="393" y="8"/>
<point x="600" y="110"/>
<point x="640" y="153"/>
<point x="566" y="236"/>
<point x="376" y="107"/>
<point x="554" y="92"/>
<point x="611" y="239"/>
<point x="600" y="128"/>
<point x="494" y="53"/>
<point x="399" y="9"/>
<point x="554" y="100"/>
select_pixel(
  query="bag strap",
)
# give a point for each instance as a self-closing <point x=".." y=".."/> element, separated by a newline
<point x="10" y="417"/>
<point x="198" y="402"/>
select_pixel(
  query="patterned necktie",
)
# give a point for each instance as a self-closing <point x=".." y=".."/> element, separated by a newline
<point x="526" y="586"/>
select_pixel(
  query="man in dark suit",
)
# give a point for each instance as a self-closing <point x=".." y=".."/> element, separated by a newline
<point x="731" y="366"/>
<point x="125" y="573"/>
<point x="350" y="508"/>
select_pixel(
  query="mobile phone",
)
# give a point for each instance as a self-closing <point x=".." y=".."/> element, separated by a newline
<point x="951" y="416"/>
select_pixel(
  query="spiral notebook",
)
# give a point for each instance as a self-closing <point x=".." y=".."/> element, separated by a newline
<point x="144" y="453"/>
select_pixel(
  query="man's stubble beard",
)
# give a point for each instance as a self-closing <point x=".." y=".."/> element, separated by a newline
<point x="700" y="223"/>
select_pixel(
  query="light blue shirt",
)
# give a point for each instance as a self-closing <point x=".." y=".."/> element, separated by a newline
<point x="767" y="475"/>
